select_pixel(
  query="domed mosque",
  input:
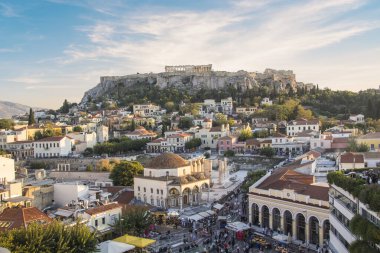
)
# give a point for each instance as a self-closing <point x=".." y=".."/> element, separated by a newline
<point x="170" y="181"/>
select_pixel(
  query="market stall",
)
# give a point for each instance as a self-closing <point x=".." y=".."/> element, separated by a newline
<point x="138" y="242"/>
<point x="114" y="247"/>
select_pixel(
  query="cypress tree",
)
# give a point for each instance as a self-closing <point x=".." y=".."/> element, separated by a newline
<point x="31" y="119"/>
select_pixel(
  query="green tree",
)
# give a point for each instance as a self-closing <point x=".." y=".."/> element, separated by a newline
<point x="169" y="106"/>
<point x="229" y="153"/>
<point x="123" y="173"/>
<point x="185" y="123"/>
<point x="31" y="119"/>
<point x="77" y="129"/>
<point x="88" y="152"/>
<point x="65" y="108"/>
<point x="50" y="238"/>
<point x="220" y="119"/>
<point x="134" y="221"/>
<point x="6" y="124"/>
<point x="245" y="134"/>
<point x="193" y="144"/>
<point x="133" y="125"/>
<point x="267" y="151"/>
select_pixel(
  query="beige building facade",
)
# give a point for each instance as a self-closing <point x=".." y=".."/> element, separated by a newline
<point x="169" y="181"/>
<point x="292" y="204"/>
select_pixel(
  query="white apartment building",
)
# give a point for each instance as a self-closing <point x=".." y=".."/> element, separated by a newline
<point x="21" y="149"/>
<point x="321" y="141"/>
<point x="102" y="133"/>
<point x="83" y="140"/>
<point x="300" y="125"/>
<point x="176" y="142"/>
<point x="266" y="101"/>
<point x="343" y="207"/>
<point x="7" y="136"/>
<point x="209" y="106"/>
<point x="145" y="110"/>
<point x="58" y="146"/>
<point x="209" y="137"/>
<point x="68" y="192"/>
<point x="102" y="217"/>
<point x="7" y="170"/>
<point x="227" y="105"/>
<point x="246" y="110"/>
<point x="358" y="119"/>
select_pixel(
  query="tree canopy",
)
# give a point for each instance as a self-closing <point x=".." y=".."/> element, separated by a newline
<point x="123" y="173"/>
<point x="6" y="124"/>
<point x="49" y="238"/>
<point x="135" y="220"/>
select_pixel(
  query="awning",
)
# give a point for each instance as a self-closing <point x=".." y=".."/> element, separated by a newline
<point x="237" y="226"/>
<point x="139" y="242"/>
<point x="114" y="247"/>
<point x="218" y="206"/>
<point x="196" y="217"/>
<point x="210" y="212"/>
<point x="204" y="214"/>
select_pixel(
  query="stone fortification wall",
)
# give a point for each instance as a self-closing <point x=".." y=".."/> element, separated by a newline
<point x="196" y="77"/>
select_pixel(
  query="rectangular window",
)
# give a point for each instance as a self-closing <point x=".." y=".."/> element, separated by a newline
<point x="162" y="192"/>
<point x="96" y="223"/>
<point x="138" y="188"/>
<point x="158" y="191"/>
<point x="104" y="220"/>
<point x="151" y="190"/>
<point x="372" y="146"/>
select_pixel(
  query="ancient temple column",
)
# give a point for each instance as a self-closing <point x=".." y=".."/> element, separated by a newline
<point x="191" y="199"/>
<point x="180" y="202"/>
<point x="281" y="227"/>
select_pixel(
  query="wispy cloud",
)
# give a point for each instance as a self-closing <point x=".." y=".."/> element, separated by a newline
<point x="149" y="39"/>
<point x="10" y="50"/>
<point x="26" y="80"/>
<point x="7" y="10"/>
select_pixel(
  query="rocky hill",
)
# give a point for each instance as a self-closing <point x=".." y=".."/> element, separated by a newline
<point x="8" y="109"/>
<point x="281" y="80"/>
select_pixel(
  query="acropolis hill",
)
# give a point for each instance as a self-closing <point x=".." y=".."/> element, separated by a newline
<point x="195" y="77"/>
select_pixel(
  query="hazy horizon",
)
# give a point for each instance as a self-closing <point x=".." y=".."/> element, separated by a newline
<point x="57" y="49"/>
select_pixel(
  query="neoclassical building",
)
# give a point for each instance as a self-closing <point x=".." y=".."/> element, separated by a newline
<point x="169" y="181"/>
<point x="292" y="203"/>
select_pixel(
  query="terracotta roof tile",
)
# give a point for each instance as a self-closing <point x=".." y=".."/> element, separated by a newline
<point x="101" y="209"/>
<point x="167" y="161"/>
<point x="351" y="158"/>
<point x="17" y="217"/>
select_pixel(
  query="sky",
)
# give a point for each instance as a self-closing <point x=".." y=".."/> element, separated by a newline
<point x="51" y="50"/>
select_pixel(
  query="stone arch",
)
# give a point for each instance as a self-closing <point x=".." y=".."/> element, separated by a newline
<point x="255" y="214"/>
<point x="186" y="196"/>
<point x="314" y="230"/>
<point x="300" y="227"/>
<point x="265" y="216"/>
<point x="173" y="197"/>
<point x="276" y="219"/>
<point x="288" y="222"/>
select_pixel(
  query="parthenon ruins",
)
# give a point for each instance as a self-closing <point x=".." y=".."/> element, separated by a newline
<point x="189" y="68"/>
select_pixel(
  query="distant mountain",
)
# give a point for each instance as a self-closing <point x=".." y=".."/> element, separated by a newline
<point x="8" y="109"/>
